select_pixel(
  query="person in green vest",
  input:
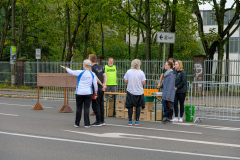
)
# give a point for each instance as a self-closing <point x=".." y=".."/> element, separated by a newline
<point x="111" y="72"/>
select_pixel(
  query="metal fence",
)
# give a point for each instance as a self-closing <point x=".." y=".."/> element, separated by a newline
<point x="5" y="72"/>
<point x="222" y="70"/>
<point x="213" y="100"/>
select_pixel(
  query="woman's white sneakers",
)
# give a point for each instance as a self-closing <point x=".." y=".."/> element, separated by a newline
<point x="180" y="119"/>
<point x="177" y="119"/>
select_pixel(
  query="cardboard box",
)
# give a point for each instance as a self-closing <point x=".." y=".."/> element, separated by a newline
<point x="120" y="114"/>
<point x="158" y="117"/>
<point x="146" y="116"/>
<point x="149" y="106"/>
<point x="134" y="109"/>
<point x="109" y="112"/>
<point x="110" y="103"/>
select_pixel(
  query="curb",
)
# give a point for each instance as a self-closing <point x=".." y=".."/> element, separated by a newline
<point x="19" y="96"/>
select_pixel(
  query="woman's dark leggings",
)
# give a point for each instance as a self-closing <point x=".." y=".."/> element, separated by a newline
<point x="181" y="98"/>
<point x="169" y="109"/>
<point x="130" y="112"/>
<point x="80" y="100"/>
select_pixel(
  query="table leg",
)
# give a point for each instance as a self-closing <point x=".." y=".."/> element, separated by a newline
<point x="114" y="106"/>
<point x="155" y="100"/>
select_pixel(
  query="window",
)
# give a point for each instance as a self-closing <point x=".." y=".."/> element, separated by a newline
<point x="233" y="44"/>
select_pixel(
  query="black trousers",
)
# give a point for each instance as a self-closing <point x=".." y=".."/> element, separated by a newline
<point x="169" y="105"/>
<point x="130" y="112"/>
<point x="181" y="98"/>
<point x="98" y="106"/>
<point x="80" y="100"/>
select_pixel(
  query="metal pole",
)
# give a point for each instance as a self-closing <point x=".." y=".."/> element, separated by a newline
<point x="13" y="43"/>
<point x="164" y="55"/>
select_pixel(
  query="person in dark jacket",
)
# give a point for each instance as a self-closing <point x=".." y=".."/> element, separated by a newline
<point x="168" y="92"/>
<point x="181" y="90"/>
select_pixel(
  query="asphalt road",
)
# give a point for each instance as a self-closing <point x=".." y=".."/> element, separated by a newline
<point x="46" y="134"/>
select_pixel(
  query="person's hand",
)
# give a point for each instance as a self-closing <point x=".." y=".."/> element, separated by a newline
<point x="158" y="86"/>
<point x="104" y="87"/>
<point x="94" y="96"/>
<point x="167" y="99"/>
<point x="175" y="88"/>
<point x="64" y="67"/>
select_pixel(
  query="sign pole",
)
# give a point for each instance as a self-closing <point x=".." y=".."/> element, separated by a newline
<point x="164" y="54"/>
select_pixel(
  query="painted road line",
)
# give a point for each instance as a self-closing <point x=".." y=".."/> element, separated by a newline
<point x="223" y="128"/>
<point x="8" y="114"/>
<point x="22" y="105"/>
<point x="128" y="136"/>
<point x="118" y="146"/>
<point x="155" y="129"/>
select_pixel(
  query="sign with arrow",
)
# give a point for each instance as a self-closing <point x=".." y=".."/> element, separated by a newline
<point x="165" y="37"/>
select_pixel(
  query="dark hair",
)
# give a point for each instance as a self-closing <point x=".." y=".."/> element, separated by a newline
<point x="171" y="59"/>
<point x="93" y="58"/>
<point x="170" y="64"/>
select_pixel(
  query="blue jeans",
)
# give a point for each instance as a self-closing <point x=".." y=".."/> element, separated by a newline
<point x="165" y="107"/>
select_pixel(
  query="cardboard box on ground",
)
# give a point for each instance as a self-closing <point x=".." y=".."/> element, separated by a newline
<point x="146" y="114"/>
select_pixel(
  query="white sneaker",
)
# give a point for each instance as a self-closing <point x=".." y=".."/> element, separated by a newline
<point x="76" y="126"/>
<point x="180" y="119"/>
<point x="87" y="126"/>
<point x="175" y="120"/>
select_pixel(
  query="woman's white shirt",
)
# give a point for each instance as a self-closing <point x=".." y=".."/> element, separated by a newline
<point x="135" y="78"/>
<point x="85" y="79"/>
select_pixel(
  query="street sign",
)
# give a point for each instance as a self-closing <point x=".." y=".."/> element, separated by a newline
<point x="38" y="53"/>
<point x="165" y="37"/>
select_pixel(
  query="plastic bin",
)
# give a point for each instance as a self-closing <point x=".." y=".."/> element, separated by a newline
<point x="189" y="112"/>
<point x="148" y="99"/>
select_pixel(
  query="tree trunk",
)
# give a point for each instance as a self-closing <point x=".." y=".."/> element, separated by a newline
<point x="69" y="46"/>
<point x="129" y="32"/>
<point x="64" y="45"/>
<point x="8" y="13"/>
<point x="87" y="30"/>
<point x="148" y="30"/>
<point x="102" y="40"/>
<point x="20" y="32"/>
<point x="138" y="29"/>
<point x="171" y="50"/>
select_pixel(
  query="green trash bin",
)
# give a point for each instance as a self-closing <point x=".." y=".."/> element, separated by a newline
<point x="189" y="112"/>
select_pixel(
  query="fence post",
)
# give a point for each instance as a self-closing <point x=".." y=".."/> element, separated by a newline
<point x="20" y="72"/>
<point x="198" y="72"/>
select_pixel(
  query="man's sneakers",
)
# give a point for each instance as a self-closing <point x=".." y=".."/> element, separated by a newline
<point x="87" y="126"/>
<point x="130" y="123"/>
<point x="98" y="124"/>
<point x="136" y="123"/>
<point x="103" y="123"/>
<point x="76" y="126"/>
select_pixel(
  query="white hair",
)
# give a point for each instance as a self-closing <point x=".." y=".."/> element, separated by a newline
<point x="87" y="63"/>
<point x="136" y="63"/>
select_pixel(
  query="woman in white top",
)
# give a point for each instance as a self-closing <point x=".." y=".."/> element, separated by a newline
<point x="135" y="79"/>
<point x="84" y="92"/>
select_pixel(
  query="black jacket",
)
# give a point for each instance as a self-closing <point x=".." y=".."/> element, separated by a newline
<point x="181" y="81"/>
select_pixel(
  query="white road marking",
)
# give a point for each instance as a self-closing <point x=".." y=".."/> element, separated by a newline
<point x="156" y="129"/>
<point x="117" y="146"/>
<point x="223" y="128"/>
<point x="22" y="105"/>
<point x="124" y="135"/>
<point x="8" y="114"/>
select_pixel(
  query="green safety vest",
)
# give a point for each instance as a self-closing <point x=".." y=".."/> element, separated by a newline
<point x="111" y="73"/>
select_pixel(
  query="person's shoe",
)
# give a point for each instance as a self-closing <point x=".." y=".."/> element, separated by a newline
<point x="180" y="119"/>
<point x="136" y="123"/>
<point x="92" y="114"/>
<point x="96" y="124"/>
<point x="87" y="126"/>
<point x="130" y="123"/>
<point x="76" y="126"/>
<point x="103" y="123"/>
<point x="175" y="120"/>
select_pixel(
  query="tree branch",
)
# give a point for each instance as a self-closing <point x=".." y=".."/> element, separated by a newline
<point x="228" y="9"/>
<point x="139" y="21"/>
